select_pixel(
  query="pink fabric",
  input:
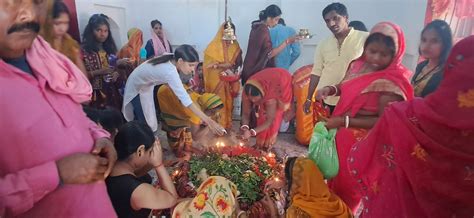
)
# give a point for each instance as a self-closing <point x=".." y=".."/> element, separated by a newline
<point x="160" y="46"/>
<point x="42" y="122"/>
<point x="418" y="161"/>
<point x="352" y="100"/>
<point x="395" y="72"/>
<point x="62" y="75"/>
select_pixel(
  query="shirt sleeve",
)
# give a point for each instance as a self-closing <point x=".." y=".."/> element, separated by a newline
<point x="174" y="82"/>
<point x="96" y="131"/>
<point x="19" y="191"/>
<point x="318" y="62"/>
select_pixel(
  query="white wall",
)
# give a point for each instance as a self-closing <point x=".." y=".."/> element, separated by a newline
<point x="195" y="22"/>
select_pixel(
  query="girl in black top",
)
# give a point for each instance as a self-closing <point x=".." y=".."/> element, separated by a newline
<point x="435" y="45"/>
<point x="137" y="150"/>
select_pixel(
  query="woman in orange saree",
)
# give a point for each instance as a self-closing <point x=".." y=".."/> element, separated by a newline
<point x="373" y="81"/>
<point x="219" y="56"/>
<point x="269" y="92"/>
<point x="131" y="50"/>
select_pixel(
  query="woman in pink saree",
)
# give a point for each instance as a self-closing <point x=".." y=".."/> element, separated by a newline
<point x="373" y="81"/>
<point x="418" y="161"/>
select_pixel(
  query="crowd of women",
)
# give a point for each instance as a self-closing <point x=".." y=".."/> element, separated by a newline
<point x="403" y="141"/>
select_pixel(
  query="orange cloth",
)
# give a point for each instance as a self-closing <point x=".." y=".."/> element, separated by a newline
<point x="311" y="196"/>
<point x="132" y="48"/>
<point x="219" y="52"/>
<point x="304" y="122"/>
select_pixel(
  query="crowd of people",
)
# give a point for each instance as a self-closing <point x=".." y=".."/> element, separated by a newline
<point x="403" y="140"/>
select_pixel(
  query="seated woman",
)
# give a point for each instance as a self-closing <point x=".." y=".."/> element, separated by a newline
<point x="418" y="160"/>
<point x="136" y="150"/>
<point x="308" y="194"/>
<point x="181" y="124"/>
<point x="269" y="94"/>
<point x="372" y="82"/>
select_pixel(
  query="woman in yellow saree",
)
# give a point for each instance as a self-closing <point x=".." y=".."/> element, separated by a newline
<point x="219" y="56"/>
<point x="309" y="196"/>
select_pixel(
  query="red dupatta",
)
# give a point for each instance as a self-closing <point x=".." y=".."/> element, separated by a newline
<point x="418" y="161"/>
<point x="274" y="83"/>
<point x="395" y="72"/>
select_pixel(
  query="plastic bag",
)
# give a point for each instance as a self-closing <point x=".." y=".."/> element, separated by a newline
<point x="322" y="150"/>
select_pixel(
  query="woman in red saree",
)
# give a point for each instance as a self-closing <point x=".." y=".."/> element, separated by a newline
<point x="269" y="92"/>
<point x="372" y="82"/>
<point x="418" y="161"/>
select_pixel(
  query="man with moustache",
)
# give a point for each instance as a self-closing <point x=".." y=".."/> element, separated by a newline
<point x="334" y="54"/>
<point x="53" y="159"/>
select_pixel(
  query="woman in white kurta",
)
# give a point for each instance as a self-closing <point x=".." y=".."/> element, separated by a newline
<point x="138" y="101"/>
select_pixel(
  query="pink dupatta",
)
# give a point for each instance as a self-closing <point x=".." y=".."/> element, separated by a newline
<point x="418" y="161"/>
<point x="60" y="73"/>
<point x="395" y="72"/>
<point x="160" y="46"/>
<point x="363" y="91"/>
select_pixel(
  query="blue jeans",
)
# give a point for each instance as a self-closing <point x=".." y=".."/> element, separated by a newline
<point x="137" y="109"/>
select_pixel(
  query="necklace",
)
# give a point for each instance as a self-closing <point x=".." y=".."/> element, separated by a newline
<point x="418" y="80"/>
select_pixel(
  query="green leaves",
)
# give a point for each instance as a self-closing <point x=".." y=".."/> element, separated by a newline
<point x="247" y="172"/>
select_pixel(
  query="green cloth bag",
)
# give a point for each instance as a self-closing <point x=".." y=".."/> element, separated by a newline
<point x="322" y="150"/>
